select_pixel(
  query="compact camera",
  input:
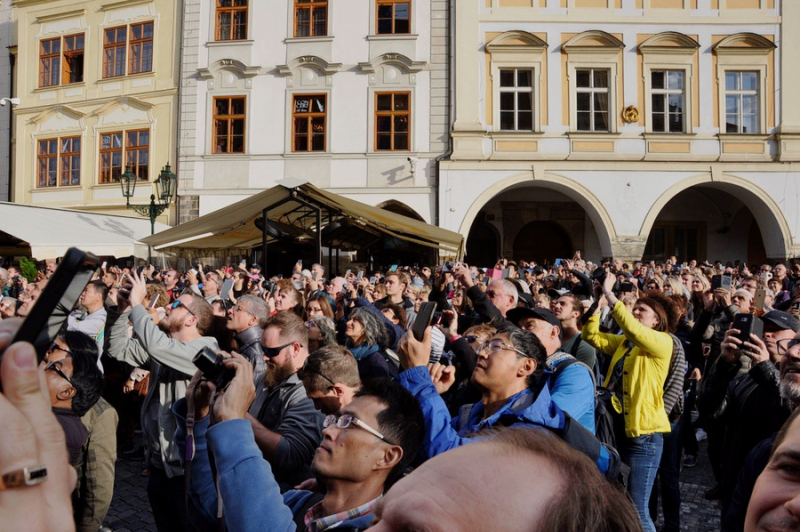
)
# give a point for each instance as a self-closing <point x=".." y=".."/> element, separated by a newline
<point x="210" y="363"/>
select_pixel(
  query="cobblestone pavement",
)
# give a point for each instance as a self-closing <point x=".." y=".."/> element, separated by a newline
<point x="130" y="510"/>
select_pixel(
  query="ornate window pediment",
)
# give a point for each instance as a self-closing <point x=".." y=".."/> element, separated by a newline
<point x="233" y="65"/>
<point x="125" y="110"/>
<point x="58" y="118"/>
<point x="669" y="42"/>
<point x="393" y="59"/>
<point x="593" y="40"/>
<point x="744" y="43"/>
<point x="516" y="41"/>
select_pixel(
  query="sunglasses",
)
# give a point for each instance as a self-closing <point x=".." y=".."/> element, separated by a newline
<point x="272" y="352"/>
<point x="55" y="366"/>
<point x="179" y="303"/>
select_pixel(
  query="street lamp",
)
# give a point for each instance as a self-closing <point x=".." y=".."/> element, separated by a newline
<point x="165" y="186"/>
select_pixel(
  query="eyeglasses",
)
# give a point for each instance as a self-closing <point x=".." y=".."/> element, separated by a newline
<point x="786" y="344"/>
<point x="272" y="352"/>
<point x="345" y="420"/>
<point x="55" y="347"/>
<point x="498" y="345"/>
<point x="239" y="308"/>
<point x="179" y="303"/>
<point x="304" y="372"/>
<point x="56" y="366"/>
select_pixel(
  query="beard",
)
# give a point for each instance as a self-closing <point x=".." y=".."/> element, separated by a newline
<point x="169" y="326"/>
<point x="790" y="391"/>
<point x="278" y="373"/>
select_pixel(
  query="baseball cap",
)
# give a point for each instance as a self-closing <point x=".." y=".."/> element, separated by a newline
<point x="555" y="294"/>
<point x="516" y="314"/>
<point x="781" y="319"/>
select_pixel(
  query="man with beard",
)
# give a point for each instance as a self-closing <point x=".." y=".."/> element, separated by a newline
<point x="286" y="425"/>
<point x="167" y="350"/>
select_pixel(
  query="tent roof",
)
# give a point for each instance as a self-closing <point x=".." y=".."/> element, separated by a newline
<point x="49" y="231"/>
<point x="234" y="227"/>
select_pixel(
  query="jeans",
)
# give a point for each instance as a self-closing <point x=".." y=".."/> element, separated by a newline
<point x="167" y="501"/>
<point x="667" y="482"/>
<point x="642" y="454"/>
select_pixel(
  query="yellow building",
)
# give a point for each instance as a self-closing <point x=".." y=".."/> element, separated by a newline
<point x="97" y="83"/>
<point x="625" y="128"/>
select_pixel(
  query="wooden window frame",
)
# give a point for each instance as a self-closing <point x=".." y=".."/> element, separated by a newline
<point x="124" y="149"/>
<point x="229" y="118"/>
<point x="67" y="157"/>
<point x="392" y="3"/>
<point x="136" y="167"/>
<point x="592" y="90"/>
<point x="137" y="67"/>
<point x="232" y="10"/>
<point x="46" y="157"/>
<point x="311" y="5"/>
<point x="665" y="93"/>
<point x="516" y="90"/>
<point x="739" y="94"/>
<point x="115" y="45"/>
<point x="392" y="113"/>
<point x="310" y="116"/>
<point x="66" y="72"/>
<point x="50" y="57"/>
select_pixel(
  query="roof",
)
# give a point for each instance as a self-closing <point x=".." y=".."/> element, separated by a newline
<point x="49" y="231"/>
<point x="234" y="227"/>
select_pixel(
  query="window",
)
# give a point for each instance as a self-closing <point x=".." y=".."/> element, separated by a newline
<point x="231" y="20"/>
<point x="516" y="100"/>
<point x="309" y="116"/>
<point x="592" y="99"/>
<point x="741" y="102"/>
<point x="229" y="122"/>
<point x="132" y="147"/>
<point x="53" y="173"/>
<point x="310" y="18"/>
<point x="392" y="121"/>
<point x="668" y="104"/>
<point x="141" y="48"/>
<point x="52" y="62"/>
<point x="115" y="48"/>
<point x="393" y="17"/>
<point x="114" y="52"/>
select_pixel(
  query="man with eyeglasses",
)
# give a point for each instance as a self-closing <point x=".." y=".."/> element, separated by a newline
<point x="366" y="447"/>
<point x="330" y="377"/>
<point x="491" y="306"/>
<point x="508" y="371"/>
<point x="743" y="394"/>
<point x="167" y="349"/>
<point x="247" y="318"/>
<point x="286" y="425"/>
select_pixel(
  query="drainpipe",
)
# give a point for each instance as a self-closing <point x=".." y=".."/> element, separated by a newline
<point x="179" y="113"/>
<point x="450" y="78"/>
<point x="12" y="60"/>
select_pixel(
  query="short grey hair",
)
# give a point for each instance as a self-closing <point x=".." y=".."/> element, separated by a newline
<point x="509" y="289"/>
<point x="257" y="307"/>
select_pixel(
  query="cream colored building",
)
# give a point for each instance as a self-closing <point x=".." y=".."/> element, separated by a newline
<point x="626" y="128"/>
<point x="97" y="82"/>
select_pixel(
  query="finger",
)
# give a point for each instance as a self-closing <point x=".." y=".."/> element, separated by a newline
<point x="8" y="328"/>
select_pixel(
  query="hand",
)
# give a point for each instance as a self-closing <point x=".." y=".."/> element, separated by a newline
<point x="570" y="265"/>
<point x="722" y="297"/>
<point x="609" y="282"/>
<point x="234" y="401"/>
<point x="452" y="324"/>
<point x="462" y="273"/>
<point x="191" y="277"/>
<point x="695" y="375"/>
<point x="756" y="349"/>
<point x="730" y="346"/>
<point x="414" y="353"/>
<point x="138" y="289"/>
<point x="202" y="395"/>
<point x="31" y="436"/>
<point x="708" y="301"/>
<point x="128" y="386"/>
<point x="442" y="376"/>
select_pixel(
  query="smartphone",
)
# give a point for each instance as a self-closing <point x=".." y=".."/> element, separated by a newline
<point x="154" y="301"/>
<point x="347" y="273"/>
<point x="226" y="287"/>
<point x="372" y="280"/>
<point x="424" y="319"/>
<point x="393" y="268"/>
<point x="314" y="276"/>
<point x="760" y="297"/>
<point x="57" y="300"/>
<point x="716" y="282"/>
<point x="747" y="324"/>
<point x="627" y="287"/>
<point x="558" y="263"/>
<point x="103" y="266"/>
<point x="194" y="271"/>
<point x="742" y="267"/>
<point x="300" y="262"/>
<point x="726" y="282"/>
<point x="360" y="274"/>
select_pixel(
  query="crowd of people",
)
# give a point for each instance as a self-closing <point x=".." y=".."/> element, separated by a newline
<point x="564" y="396"/>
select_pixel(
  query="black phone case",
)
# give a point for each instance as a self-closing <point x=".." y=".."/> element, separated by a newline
<point x="423" y="319"/>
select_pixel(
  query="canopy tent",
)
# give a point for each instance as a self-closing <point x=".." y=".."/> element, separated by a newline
<point x="294" y="210"/>
<point x="47" y="233"/>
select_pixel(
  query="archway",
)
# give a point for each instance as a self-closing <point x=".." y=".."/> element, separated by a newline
<point x="542" y="241"/>
<point x="483" y="244"/>
<point x="400" y="208"/>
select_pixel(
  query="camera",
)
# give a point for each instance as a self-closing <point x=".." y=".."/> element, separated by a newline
<point x="210" y="363"/>
<point x="17" y="278"/>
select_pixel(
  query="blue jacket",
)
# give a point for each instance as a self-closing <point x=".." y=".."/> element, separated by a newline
<point x="443" y="432"/>
<point x="251" y="498"/>
<point x="573" y="392"/>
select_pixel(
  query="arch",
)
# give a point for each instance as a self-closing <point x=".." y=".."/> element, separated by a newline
<point x="669" y="40"/>
<point x="512" y="40"/>
<point x="325" y="68"/>
<point x="400" y="208"/>
<point x="774" y="226"/>
<point x="542" y="241"/>
<point x="234" y="65"/>
<point x="739" y="42"/>
<point x="603" y="224"/>
<point x="592" y="39"/>
<point x="485" y="247"/>
<point x="394" y="59"/>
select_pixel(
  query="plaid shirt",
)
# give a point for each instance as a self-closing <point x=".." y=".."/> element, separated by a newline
<point x="315" y="522"/>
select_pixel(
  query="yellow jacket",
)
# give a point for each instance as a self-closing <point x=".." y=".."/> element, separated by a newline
<point x="643" y="372"/>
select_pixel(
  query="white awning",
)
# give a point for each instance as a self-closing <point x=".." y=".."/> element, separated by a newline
<point x="49" y="232"/>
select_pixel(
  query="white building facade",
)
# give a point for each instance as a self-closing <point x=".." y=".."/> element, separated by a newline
<point x="348" y="95"/>
<point x="625" y="128"/>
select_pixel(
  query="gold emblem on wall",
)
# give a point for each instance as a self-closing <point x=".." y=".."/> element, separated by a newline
<point x="630" y="114"/>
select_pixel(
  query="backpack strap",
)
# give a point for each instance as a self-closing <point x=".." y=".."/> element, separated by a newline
<point x="564" y="365"/>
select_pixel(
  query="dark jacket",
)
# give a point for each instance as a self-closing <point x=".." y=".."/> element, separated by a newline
<point x="485" y="309"/>
<point x="287" y="410"/>
<point x="249" y="346"/>
<point x="756" y="461"/>
<point x="75" y="432"/>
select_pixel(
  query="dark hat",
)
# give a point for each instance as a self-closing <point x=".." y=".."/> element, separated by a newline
<point x="781" y="319"/>
<point x="527" y="299"/>
<point x="516" y="314"/>
<point x="555" y="294"/>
